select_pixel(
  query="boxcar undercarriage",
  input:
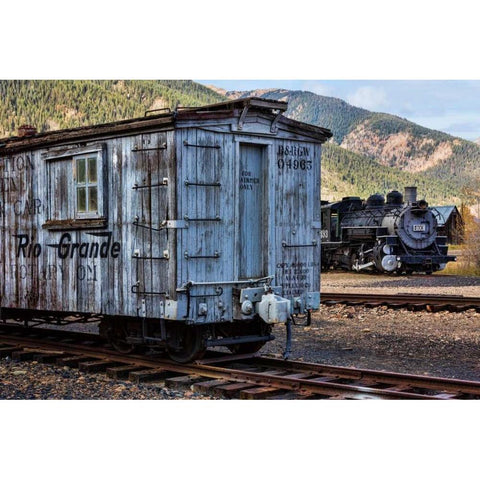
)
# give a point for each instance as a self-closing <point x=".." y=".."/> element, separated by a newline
<point x="182" y="342"/>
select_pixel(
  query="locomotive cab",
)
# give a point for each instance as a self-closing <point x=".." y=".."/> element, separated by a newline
<point x="332" y="215"/>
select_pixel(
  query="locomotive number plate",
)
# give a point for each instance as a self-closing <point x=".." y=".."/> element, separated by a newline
<point x="419" y="228"/>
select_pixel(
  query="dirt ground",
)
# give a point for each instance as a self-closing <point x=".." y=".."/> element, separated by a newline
<point x="442" y="344"/>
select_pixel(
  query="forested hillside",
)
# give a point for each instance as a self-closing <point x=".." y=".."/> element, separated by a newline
<point x="57" y="104"/>
<point x="347" y="173"/>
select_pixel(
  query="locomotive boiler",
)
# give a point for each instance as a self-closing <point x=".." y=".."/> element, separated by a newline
<point x="389" y="236"/>
<point x="183" y="230"/>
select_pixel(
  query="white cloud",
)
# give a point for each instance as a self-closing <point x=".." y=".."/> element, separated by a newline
<point x="459" y="124"/>
<point x="371" y="98"/>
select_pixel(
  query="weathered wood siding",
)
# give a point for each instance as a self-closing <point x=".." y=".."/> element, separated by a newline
<point x="42" y="196"/>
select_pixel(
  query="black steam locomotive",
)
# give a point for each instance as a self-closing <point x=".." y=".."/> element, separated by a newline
<point x="389" y="236"/>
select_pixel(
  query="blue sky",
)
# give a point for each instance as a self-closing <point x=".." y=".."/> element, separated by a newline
<point x="451" y="106"/>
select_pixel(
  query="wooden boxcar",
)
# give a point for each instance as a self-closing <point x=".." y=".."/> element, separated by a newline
<point x="186" y="229"/>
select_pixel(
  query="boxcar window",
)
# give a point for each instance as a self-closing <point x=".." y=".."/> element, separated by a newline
<point x="86" y="185"/>
<point x="76" y="187"/>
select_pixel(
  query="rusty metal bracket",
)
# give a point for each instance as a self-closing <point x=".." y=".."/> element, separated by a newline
<point x="186" y="144"/>
<point x="200" y="184"/>
<point x="216" y="254"/>
<point x="286" y="245"/>
<point x="163" y="146"/>
<point x="188" y="219"/>
<point x="302" y="320"/>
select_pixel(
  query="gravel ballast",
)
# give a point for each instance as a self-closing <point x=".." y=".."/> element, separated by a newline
<point x="33" y="380"/>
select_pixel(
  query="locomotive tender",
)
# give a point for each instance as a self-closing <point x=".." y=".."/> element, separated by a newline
<point x="389" y="237"/>
<point x="185" y="229"/>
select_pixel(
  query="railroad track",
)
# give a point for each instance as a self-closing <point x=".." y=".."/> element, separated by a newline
<point x="229" y="376"/>
<point x="430" y="303"/>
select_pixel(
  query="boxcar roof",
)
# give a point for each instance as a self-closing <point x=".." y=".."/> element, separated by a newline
<point x="165" y="121"/>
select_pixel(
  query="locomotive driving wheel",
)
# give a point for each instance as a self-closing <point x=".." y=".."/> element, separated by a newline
<point x="186" y="343"/>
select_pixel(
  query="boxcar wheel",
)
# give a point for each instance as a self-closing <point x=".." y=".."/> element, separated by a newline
<point x="116" y="336"/>
<point x="188" y="344"/>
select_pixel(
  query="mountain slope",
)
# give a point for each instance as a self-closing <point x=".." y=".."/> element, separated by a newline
<point x="388" y="140"/>
<point x="347" y="173"/>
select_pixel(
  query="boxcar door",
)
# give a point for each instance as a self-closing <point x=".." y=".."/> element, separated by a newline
<point x="252" y="231"/>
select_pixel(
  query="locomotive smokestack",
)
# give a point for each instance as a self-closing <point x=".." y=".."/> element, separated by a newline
<point x="410" y="195"/>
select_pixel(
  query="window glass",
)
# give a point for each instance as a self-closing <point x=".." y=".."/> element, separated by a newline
<point x="81" y="199"/>
<point x="92" y="170"/>
<point x="92" y="199"/>
<point x="81" y="177"/>
<point x="87" y="185"/>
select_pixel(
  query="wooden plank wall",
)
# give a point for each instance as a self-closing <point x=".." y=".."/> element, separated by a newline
<point x="34" y="191"/>
<point x="46" y="191"/>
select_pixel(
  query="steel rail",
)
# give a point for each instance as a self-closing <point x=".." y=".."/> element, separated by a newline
<point x="415" y="381"/>
<point x="302" y="378"/>
<point x="401" y="299"/>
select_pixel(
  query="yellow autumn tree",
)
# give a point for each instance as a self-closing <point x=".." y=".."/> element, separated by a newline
<point x="469" y="261"/>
